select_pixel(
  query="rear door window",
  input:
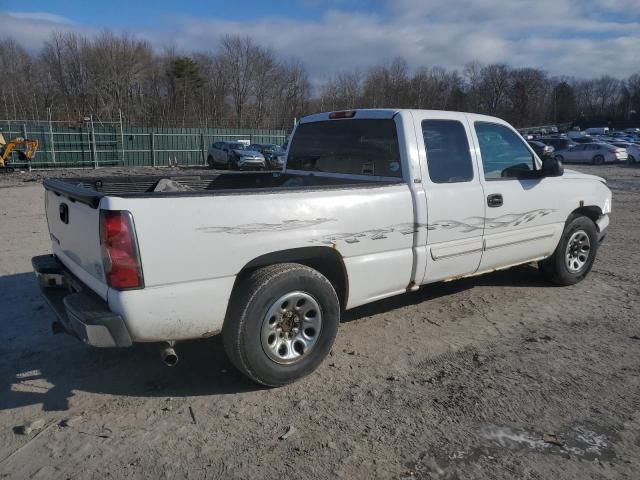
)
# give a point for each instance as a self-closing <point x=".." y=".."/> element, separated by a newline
<point x="448" y="155"/>
<point x="357" y="147"/>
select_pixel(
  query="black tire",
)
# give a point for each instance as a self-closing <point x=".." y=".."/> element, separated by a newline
<point x="631" y="160"/>
<point x="211" y="162"/>
<point x="597" y="160"/>
<point x="555" y="268"/>
<point x="249" y="304"/>
<point x="560" y="158"/>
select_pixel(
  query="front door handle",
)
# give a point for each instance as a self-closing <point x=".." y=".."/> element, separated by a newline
<point x="494" y="200"/>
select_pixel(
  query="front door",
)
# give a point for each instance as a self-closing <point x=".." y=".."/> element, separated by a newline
<point x="522" y="222"/>
<point x="454" y="196"/>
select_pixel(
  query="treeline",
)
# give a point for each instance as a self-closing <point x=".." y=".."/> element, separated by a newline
<point x="242" y="84"/>
<point x="522" y="96"/>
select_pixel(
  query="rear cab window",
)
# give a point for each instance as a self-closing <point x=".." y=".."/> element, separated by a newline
<point x="354" y="147"/>
<point x="448" y="153"/>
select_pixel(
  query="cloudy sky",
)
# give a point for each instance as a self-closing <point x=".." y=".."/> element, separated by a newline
<point x="584" y="38"/>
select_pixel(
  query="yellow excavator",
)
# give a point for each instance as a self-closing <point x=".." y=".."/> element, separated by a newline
<point x="26" y="151"/>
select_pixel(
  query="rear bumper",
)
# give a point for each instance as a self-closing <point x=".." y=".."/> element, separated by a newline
<point x="80" y="312"/>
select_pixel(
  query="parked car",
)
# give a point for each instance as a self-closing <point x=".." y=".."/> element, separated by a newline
<point x="597" y="131"/>
<point x="274" y="155"/>
<point x="583" y="139"/>
<point x="596" y="153"/>
<point x="372" y="203"/>
<point x="573" y="134"/>
<point x="633" y="150"/>
<point x="558" y="143"/>
<point x="234" y="156"/>
<point x="541" y="149"/>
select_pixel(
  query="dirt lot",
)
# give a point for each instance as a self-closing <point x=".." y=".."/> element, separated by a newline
<point x="501" y="376"/>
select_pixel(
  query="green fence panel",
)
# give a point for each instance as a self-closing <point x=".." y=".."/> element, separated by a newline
<point x="83" y="145"/>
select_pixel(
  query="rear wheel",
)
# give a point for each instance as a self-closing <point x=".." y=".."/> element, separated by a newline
<point x="210" y="162"/>
<point x="281" y="323"/>
<point x="575" y="253"/>
<point x="597" y="160"/>
<point x="560" y="158"/>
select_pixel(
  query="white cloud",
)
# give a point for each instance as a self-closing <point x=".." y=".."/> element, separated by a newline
<point x="31" y="29"/>
<point x="40" y="17"/>
<point x="585" y="38"/>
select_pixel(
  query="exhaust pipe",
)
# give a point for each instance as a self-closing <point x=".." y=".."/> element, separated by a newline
<point x="169" y="355"/>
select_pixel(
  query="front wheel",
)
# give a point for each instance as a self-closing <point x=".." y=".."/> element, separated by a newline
<point x="631" y="160"/>
<point x="281" y="323"/>
<point x="560" y="158"/>
<point x="597" y="160"/>
<point x="574" y="255"/>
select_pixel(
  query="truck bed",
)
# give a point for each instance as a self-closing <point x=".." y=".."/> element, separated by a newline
<point x="90" y="190"/>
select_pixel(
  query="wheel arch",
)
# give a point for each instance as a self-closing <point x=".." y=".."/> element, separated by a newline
<point x="593" y="212"/>
<point x="325" y="260"/>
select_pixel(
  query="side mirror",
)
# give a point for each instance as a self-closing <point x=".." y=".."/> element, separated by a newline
<point x="551" y="167"/>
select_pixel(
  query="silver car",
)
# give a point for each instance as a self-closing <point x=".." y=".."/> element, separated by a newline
<point x="234" y="156"/>
<point x="595" y="153"/>
<point x="633" y="150"/>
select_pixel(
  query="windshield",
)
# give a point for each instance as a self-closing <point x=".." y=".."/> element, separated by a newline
<point x="357" y="147"/>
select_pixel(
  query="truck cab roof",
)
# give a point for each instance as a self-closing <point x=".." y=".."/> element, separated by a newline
<point x="388" y="113"/>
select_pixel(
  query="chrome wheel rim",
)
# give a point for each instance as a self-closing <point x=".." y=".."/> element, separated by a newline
<point x="578" y="251"/>
<point x="291" y="327"/>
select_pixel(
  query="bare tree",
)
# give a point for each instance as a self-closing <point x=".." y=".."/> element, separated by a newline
<point x="239" y="56"/>
<point x="240" y="83"/>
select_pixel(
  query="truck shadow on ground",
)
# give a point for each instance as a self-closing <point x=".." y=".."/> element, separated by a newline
<point x="526" y="276"/>
<point x="37" y="367"/>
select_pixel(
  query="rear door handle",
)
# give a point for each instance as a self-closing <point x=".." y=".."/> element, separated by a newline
<point x="494" y="200"/>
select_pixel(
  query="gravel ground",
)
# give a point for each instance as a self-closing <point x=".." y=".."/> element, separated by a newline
<point x="495" y="377"/>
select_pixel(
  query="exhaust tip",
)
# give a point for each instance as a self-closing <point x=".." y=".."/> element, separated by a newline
<point x="171" y="360"/>
<point x="169" y="355"/>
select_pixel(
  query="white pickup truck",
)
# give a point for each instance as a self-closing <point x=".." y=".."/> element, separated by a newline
<point x="372" y="203"/>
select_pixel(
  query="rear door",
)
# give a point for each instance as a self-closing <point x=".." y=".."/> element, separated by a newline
<point x="454" y="195"/>
<point x="521" y="220"/>
<point x="74" y="228"/>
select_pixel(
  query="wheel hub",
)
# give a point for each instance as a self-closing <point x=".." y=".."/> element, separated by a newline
<point x="288" y="322"/>
<point x="291" y="327"/>
<point x="578" y="251"/>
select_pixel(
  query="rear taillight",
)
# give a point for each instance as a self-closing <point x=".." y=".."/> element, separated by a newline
<point x="120" y="255"/>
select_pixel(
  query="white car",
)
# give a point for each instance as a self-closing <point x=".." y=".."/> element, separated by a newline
<point x="234" y="156"/>
<point x="596" y="153"/>
<point x="633" y="150"/>
<point x="597" y="131"/>
<point x="372" y="203"/>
